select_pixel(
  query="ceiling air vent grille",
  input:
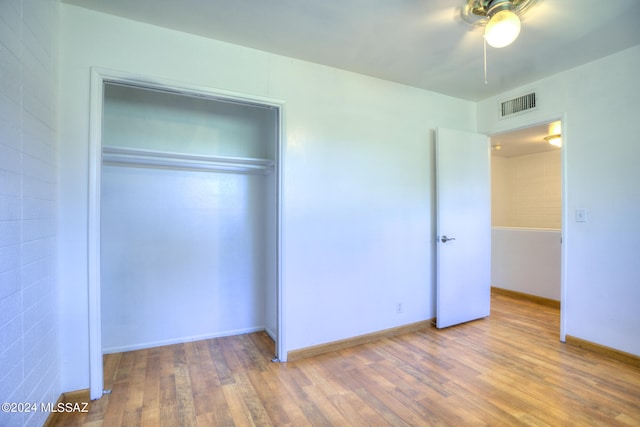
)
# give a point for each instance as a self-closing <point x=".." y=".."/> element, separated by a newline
<point x="518" y="105"/>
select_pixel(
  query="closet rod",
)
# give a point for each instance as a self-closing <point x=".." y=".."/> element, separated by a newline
<point x="122" y="156"/>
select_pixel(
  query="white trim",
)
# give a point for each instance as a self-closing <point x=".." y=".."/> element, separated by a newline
<point x="190" y="338"/>
<point x="281" y="348"/>
<point x="182" y="88"/>
<point x="272" y="334"/>
<point x="495" y="227"/>
<point x="96" y="374"/>
<point x="98" y="77"/>
<point x="563" y="235"/>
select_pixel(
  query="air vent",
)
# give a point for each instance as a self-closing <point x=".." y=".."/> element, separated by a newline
<point x="518" y="105"/>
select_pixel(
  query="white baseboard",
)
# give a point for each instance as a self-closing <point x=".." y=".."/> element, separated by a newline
<point x="179" y="340"/>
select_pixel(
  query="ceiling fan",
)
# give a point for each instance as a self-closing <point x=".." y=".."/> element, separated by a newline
<point x="501" y="18"/>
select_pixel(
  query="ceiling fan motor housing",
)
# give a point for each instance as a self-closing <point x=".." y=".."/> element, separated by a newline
<point x="488" y="8"/>
<point x="495" y="6"/>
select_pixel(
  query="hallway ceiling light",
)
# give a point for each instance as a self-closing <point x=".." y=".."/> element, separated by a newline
<point x="555" y="140"/>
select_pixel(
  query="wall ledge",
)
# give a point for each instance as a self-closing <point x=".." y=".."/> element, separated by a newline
<point x="505" y="227"/>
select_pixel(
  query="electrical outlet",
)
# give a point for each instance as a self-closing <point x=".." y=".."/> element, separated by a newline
<point x="399" y="308"/>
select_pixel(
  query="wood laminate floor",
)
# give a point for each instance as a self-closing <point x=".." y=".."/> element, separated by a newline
<point x="506" y="370"/>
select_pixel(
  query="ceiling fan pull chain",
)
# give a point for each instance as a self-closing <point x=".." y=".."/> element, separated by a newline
<point x="485" y="59"/>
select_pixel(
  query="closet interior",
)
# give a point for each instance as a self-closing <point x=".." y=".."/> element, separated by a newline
<point x="188" y="217"/>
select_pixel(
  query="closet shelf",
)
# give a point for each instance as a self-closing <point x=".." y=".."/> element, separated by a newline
<point x="123" y="156"/>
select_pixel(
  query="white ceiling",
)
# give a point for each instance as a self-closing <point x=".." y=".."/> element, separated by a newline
<point x="421" y="43"/>
<point x="525" y="141"/>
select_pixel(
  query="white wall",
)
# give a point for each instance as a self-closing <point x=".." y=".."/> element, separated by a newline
<point x="526" y="260"/>
<point x="527" y="190"/>
<point x="29" y="352"/>
<point x="358" y="177"/>
<point x="500" y="190"/>
<point x="601" y="129"/>
<point x="183" y="256"/>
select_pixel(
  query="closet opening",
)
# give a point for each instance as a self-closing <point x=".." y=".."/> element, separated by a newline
<point x="186" y="217"/>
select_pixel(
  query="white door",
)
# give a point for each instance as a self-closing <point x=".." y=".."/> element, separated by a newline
<point x="463" y="188"/>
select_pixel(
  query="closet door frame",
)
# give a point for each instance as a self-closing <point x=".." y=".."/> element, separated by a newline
<point x="100" y="77"/>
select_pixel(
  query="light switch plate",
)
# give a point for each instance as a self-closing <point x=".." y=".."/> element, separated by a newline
<point x="581" y="215"/>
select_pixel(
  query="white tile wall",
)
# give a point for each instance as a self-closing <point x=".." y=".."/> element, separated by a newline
<point x="527" y="191"/>
<point x="29" y="354"/>
<point x="499" y="191"/>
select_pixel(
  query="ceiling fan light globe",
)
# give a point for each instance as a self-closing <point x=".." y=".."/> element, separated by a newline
<point x="502" y="29"/>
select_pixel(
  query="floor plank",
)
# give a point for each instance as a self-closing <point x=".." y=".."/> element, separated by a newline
<point x="508" y="369"/>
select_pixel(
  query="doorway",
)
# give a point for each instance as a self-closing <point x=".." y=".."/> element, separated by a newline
<point x="184" y="216"/>
<point x="527" y="211"/>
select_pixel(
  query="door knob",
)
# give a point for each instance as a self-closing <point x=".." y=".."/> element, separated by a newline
<point x="445" y="239"/>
